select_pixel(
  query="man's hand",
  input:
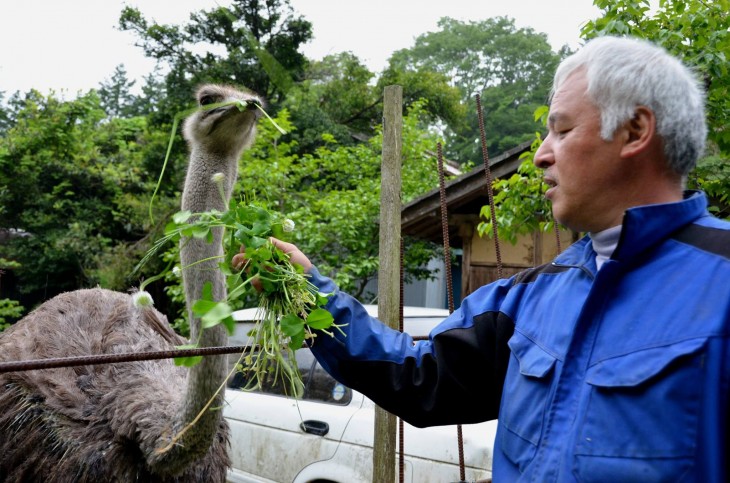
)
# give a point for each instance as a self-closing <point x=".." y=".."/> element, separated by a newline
<point x="295" y="255"/>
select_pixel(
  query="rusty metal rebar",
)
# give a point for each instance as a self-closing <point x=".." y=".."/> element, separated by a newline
<point x="401" y="428"/>
<point x="490" y="190"/>
<point x="557" y="236"/>
<point x="449" y="284"/>
<point x="90" y="360"/>
<point x="445" y="229"/>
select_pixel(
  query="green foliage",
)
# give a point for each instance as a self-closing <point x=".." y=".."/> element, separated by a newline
<point x="5" y="114"/>
<point x="343" y="89"/>
<point x="510" y="68"/>
<point x="696" y="31"/>
<point x="260" y="40"/>
<point x="520" y="203"/>
<point x="712" y="175"/>
<point x="339" y="97"/>
<point x="10" y="310"/>
<point x="69" y="177"/>
<point x="333" y="195"/>
<point x="335" y="97"/>
<point x="444" y="100"/>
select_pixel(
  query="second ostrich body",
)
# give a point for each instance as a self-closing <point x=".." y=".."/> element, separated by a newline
<point x="112" y="422"/>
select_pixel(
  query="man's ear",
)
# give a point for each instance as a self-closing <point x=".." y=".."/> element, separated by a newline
<point x="639" y="132"/>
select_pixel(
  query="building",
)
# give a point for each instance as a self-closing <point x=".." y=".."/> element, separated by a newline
<point x="465" y="196"/>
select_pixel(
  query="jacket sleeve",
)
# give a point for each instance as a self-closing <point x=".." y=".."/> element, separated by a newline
<point x="454" y="377"/>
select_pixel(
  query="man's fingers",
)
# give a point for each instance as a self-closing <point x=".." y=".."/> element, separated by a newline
<point x="238" y="261"/>
<point x="282" y="245"/>
<point x="295" y="255"/>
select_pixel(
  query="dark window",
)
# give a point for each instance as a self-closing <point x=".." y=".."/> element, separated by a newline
<point x="318" y="385"/>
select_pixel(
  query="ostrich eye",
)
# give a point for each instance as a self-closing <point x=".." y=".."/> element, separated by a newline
<point x="205" y="100"/>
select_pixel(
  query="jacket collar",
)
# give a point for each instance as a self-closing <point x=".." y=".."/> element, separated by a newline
<point x="646" y="226"/>
<point x="642" y="228"/>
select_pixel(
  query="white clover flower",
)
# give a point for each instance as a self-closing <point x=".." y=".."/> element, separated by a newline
<point x="176" y="271"/>
<point x="218" y="178"/>
<point x="288" y="226"/>
<point x="142" y="299"/>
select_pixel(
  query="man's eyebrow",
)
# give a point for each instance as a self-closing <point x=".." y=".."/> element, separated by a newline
<point x="554" y="117"/>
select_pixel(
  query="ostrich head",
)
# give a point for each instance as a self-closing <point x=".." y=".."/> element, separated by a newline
<point x="225" y="129"/>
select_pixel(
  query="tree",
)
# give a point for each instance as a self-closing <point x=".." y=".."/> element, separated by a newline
<point x="4" y="114"/>
<point x="260" y="39"/>
<point x="334" y="97"/>
<point x="338" y="96"/>
<point x="73" y="181"/>
<point x="116" y="97"/>
<point x="333" y="195"/>
<point x="510" y="68"/>
<point x="10" y="310"/>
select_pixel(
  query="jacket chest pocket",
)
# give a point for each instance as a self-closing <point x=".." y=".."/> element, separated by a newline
<point x="642" y="415"/>
<point x="527" y="390"/>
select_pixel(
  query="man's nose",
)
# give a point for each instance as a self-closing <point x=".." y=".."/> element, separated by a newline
<point x="543" y="158"/>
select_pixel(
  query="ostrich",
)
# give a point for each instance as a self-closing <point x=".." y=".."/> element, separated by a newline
<point x="116" y="422"/>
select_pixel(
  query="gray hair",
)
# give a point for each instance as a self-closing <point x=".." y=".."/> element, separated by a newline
<point x="624" y="73"/>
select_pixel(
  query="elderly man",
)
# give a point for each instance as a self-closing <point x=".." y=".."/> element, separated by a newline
<point x="611" y="363"/>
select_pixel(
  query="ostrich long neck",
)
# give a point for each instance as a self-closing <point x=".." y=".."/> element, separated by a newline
<point x="201" y="194"/>
<point x="199" y="258"/>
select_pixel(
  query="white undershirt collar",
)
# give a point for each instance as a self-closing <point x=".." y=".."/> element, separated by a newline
<point x="604" y="243"/>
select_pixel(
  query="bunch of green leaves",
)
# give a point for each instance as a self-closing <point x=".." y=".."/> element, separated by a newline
<point x="290" y="306"/>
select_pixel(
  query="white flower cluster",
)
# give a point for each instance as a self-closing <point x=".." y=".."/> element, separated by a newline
<point x="142" y="299"/>
<point x="218" y="178"/>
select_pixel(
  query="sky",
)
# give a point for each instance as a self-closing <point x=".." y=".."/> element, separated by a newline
<point x="70" y="46"/>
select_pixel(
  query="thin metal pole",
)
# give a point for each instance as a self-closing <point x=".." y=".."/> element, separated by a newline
<point x="490" y="190"/>
<point x="449" y="284"/>
<point x="90" y="360"/>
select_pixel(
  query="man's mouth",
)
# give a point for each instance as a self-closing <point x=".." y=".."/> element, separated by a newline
<point x="551" y="183"/>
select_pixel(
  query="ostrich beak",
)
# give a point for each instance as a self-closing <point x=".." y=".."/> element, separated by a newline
<point x="255" y="106"/>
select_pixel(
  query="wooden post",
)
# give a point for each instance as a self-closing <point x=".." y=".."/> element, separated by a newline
<point x="384" y="446"/>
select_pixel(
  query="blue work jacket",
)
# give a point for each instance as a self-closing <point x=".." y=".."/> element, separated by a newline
<point x="616" y="375"/>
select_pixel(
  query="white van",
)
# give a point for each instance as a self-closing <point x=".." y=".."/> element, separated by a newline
<point x="327" y="436"/>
